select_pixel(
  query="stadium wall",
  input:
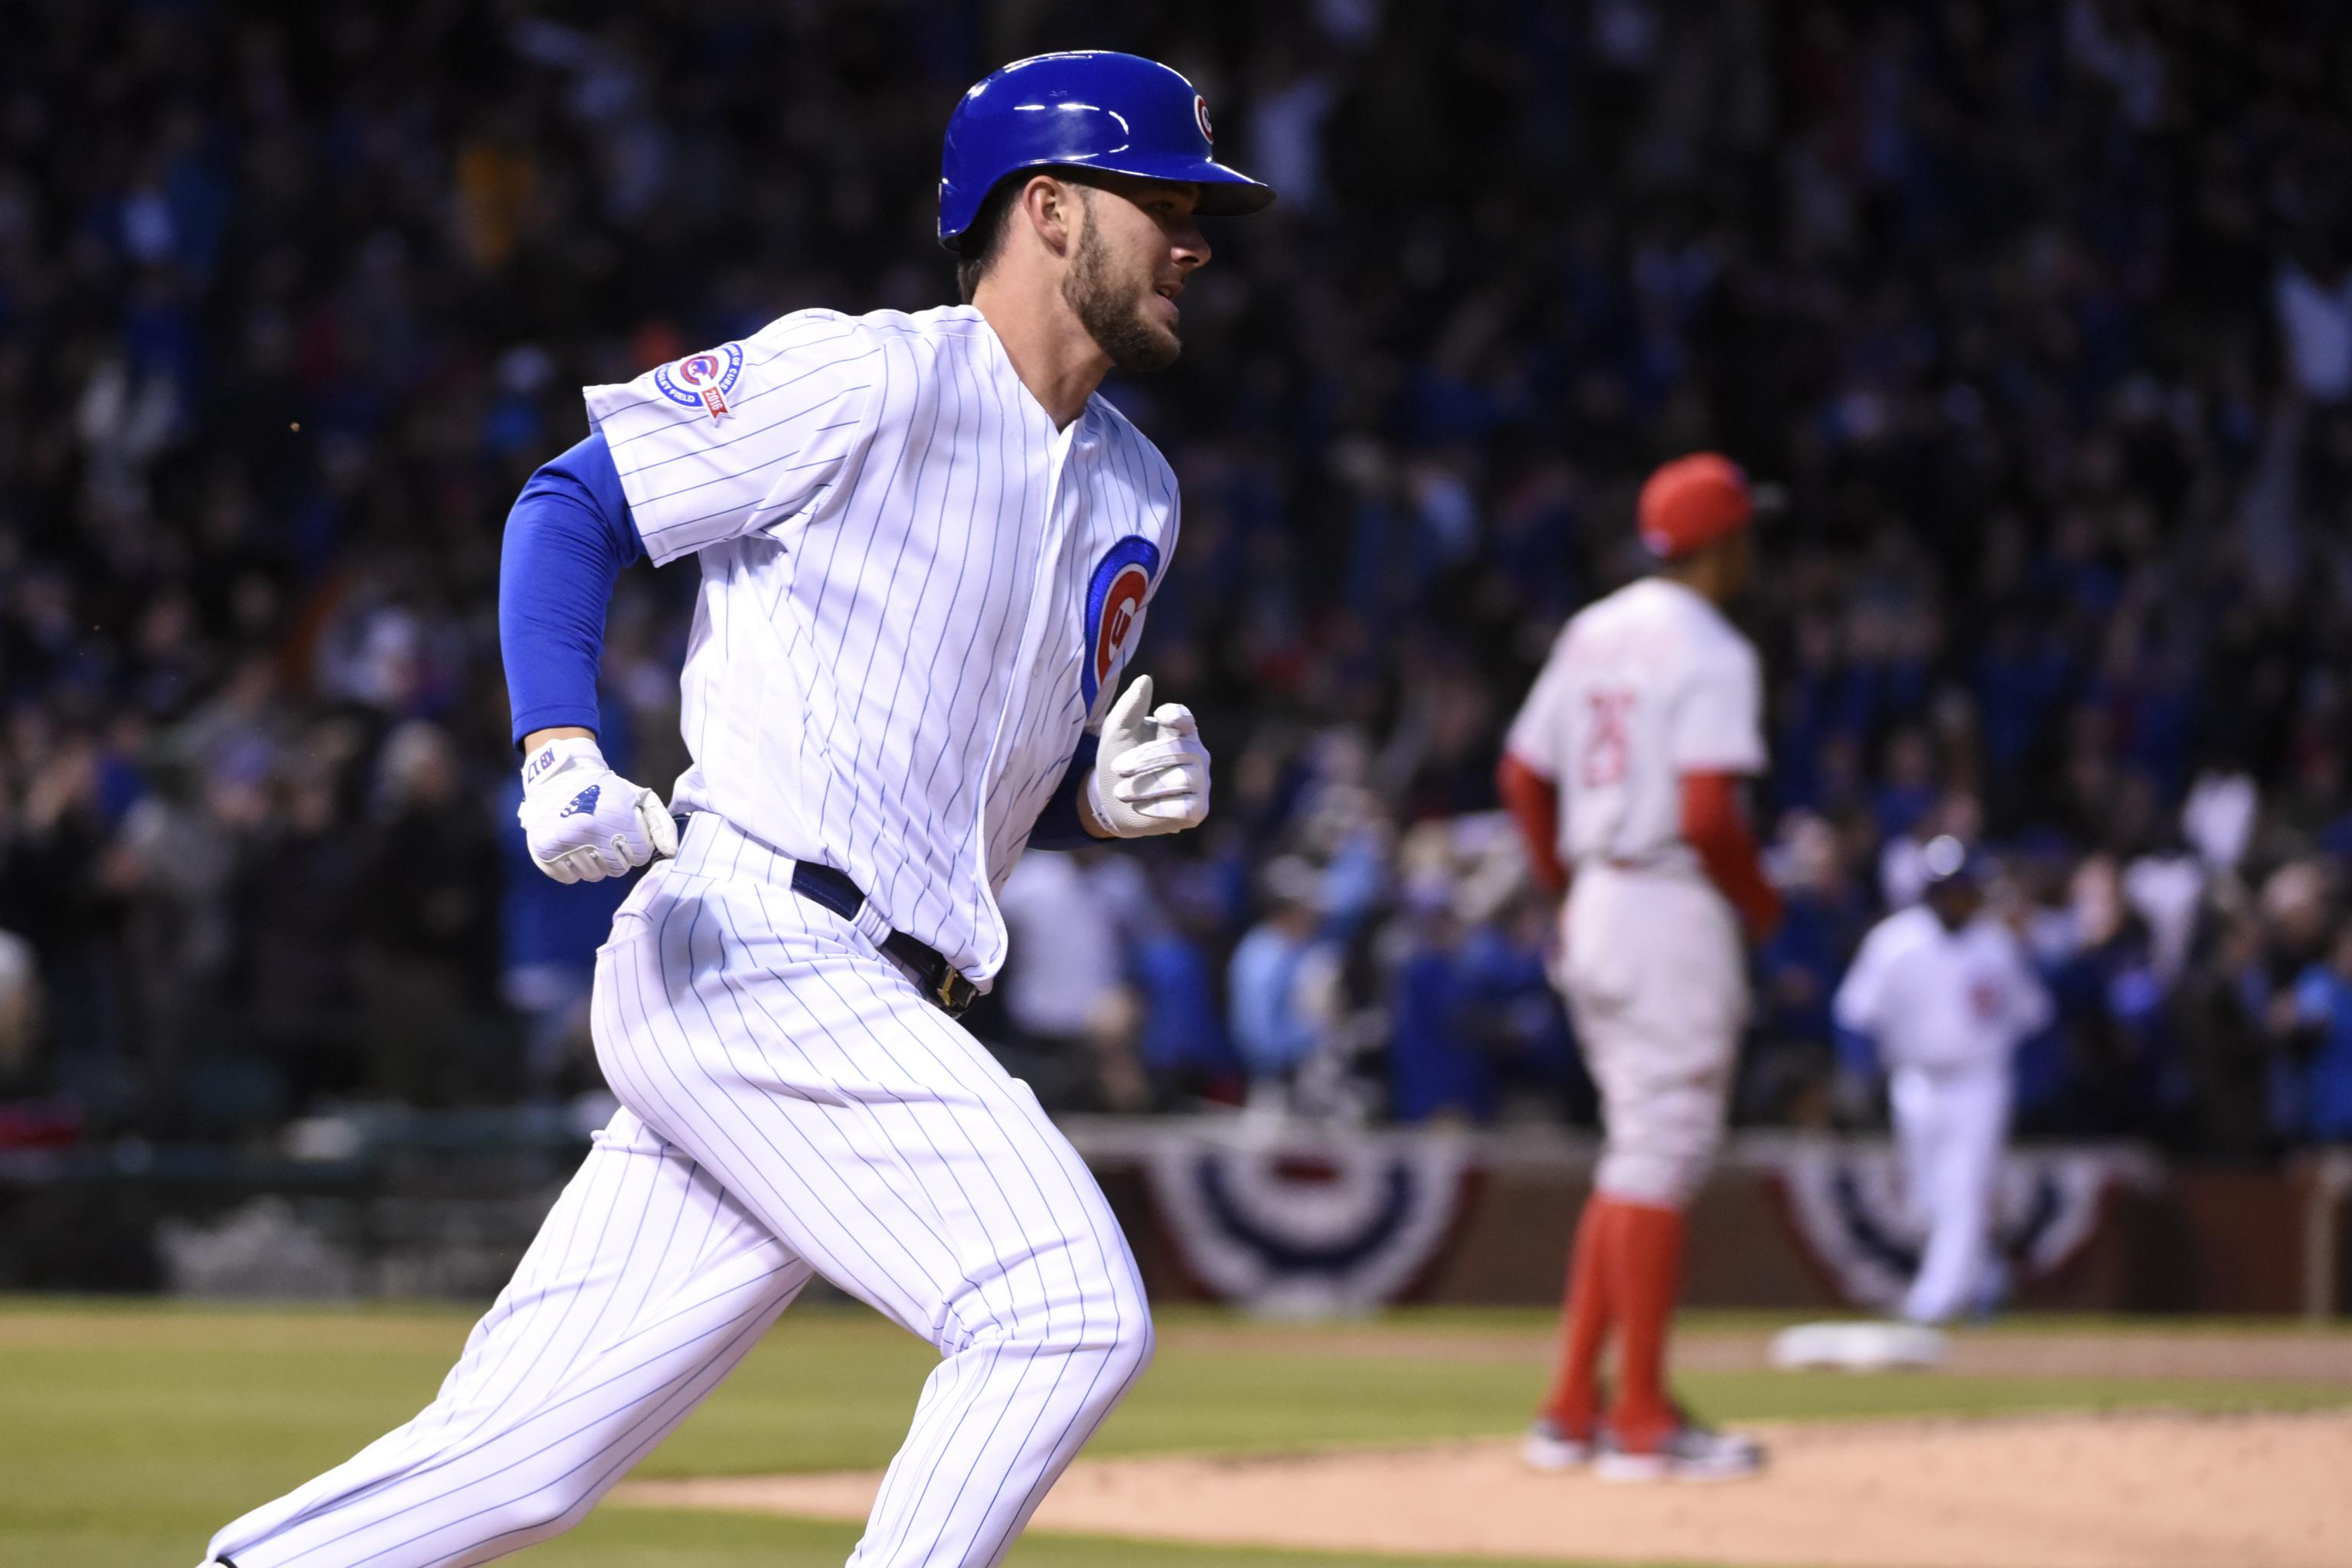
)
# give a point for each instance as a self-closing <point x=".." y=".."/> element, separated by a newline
<point x="1272" y="1216"/>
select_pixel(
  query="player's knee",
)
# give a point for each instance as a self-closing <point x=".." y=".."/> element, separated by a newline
<point x="1102" y="1317"/>
<point x="545" y="1512"/>
<point x="1134" y="1341"/>
<point x="1134" y="1338"/>
<point x="1123" y="1350"/>
<point x="1076" y="1281"/>
<point x="1112" y="1320"/>
<point x="1660" y="1175"/>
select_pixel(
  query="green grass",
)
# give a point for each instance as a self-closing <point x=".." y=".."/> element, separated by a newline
<point x="663" y="1538"/>
<point x="132" y="1431"/>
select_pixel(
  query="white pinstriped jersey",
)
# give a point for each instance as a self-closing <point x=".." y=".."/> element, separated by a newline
<point x="1942" y="999"/>
<point x="916" y="594"/>
<point x="1648" y="684"/>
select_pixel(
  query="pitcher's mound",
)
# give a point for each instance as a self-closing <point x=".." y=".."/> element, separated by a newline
<point x="2138" y="1490"/>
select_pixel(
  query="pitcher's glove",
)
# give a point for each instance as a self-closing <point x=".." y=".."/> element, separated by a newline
<point x="1151" y="772"/>
<point x="584" y="822"/>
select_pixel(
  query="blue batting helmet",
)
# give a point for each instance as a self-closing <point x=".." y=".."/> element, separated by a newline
<point x="1089" y="109"/>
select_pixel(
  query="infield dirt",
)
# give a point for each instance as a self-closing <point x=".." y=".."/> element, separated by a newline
<point x="2145" y="1490"/>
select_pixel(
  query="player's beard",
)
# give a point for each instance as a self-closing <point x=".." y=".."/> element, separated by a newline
<point x="1111" y="309"/>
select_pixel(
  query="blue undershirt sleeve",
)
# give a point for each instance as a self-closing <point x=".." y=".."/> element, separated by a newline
<point x="1058" y="826"/>
<point x="567" y="540"/>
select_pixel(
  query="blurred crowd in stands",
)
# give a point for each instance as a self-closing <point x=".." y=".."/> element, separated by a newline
<point x="2040" y="311"/>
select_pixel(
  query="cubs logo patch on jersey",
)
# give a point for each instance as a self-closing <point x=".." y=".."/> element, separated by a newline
<point x="702" y="381"/>
<point x="1114" y="595"/>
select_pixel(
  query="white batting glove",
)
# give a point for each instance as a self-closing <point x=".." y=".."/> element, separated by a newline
<point x="1152" y="774"/>
<point x="583" y="821"/>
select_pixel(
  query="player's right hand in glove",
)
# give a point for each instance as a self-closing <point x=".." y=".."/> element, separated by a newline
<point x="1151" y="772"/>
<point x="583" y="821"/>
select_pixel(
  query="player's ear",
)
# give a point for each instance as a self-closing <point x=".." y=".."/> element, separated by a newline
<point x="1051" y="207"/>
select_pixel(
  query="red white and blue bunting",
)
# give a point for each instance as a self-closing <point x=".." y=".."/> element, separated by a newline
<point x="1298" y="1219"/>
<point x="1845" y="1203"/>
<point x="1306" y="1222"/>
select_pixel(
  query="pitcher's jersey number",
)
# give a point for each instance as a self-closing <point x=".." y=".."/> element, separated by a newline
<point x="1607" y="737"/>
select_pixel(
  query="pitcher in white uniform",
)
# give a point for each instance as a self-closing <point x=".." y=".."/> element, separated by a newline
<point x="1625" y="769"/>
<point x="927" y="547"/>
<point x="1946" y="994"/>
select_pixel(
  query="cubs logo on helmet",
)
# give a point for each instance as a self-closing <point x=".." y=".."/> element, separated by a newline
<point x="702" y="381"/>
<point x="1114" y="595"/>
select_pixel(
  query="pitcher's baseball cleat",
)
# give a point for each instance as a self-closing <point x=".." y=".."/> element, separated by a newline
<point x="1688" y="1453"/>
<point x="1549" y="1446"/>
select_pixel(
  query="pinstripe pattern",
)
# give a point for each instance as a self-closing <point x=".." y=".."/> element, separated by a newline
<point x="643" y="1289"/>
<point x="882" y="673"/>
<point x="792" y="1104"/>
<point x="884" y="677"/>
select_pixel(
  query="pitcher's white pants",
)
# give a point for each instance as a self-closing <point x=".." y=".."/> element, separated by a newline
<point x="1656" y="981"/>
<point x="792" y="1107"/>
<point x="1950" y="1128"/>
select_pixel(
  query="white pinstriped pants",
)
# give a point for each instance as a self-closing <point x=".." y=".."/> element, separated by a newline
<point x="792" y="1106"/>
<point x="1949" y="1126"/>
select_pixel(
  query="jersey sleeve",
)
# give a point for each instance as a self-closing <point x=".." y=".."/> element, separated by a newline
<point x="1539" y="735"/>
<point x="744" y="438"/>
<point x="1119" y="602"/>
<point x="1861" y="995"/>
<point x="1717" y="726"/>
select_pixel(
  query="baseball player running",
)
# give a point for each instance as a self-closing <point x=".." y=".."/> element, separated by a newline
<point x="1623" y="771"/>
<point x="1946" y="994"/>
<point x="927" y="545"/>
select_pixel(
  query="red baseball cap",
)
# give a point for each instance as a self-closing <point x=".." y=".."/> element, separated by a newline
<point x="1692" y="503"/>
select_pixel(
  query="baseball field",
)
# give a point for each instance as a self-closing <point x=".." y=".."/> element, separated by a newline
<point x="133" y="1430"/>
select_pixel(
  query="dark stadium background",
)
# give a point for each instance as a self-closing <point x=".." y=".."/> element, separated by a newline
<point x="2040" y="312"/>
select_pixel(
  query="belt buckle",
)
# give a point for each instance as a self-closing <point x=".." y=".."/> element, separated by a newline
<point x="955" y="994"/>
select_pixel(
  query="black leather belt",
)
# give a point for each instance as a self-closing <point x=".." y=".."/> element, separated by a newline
<point x="832" y="890"/>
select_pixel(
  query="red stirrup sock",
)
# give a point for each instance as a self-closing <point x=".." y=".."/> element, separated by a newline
<point x="1647" y="1270"/>
<point x="1586" y="1313"/>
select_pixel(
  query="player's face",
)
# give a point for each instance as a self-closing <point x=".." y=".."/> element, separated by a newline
<point x="1139" y="245"/>
<point x="1955" y="903"/>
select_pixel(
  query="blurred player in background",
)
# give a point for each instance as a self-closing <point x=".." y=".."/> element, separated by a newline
<point x="1945" y="992"/>
<point x="1624" y="771"/>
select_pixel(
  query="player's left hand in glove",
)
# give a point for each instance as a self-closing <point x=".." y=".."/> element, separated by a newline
<point x="1151" y="772"/>
<point x="584" y="822"/>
